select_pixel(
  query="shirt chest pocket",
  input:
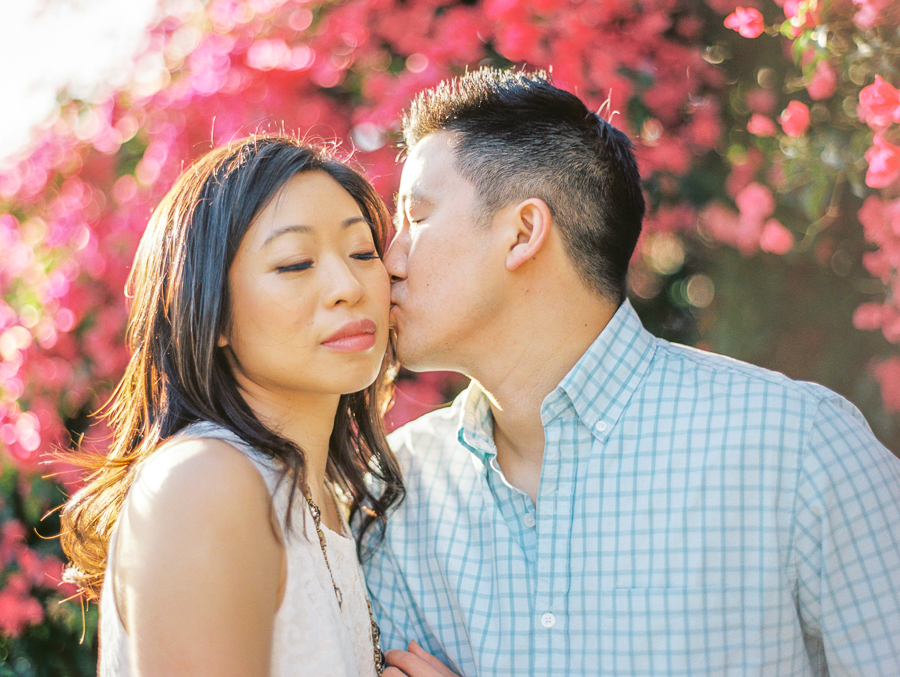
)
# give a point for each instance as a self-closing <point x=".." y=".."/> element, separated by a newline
<point x="673" y="631"/>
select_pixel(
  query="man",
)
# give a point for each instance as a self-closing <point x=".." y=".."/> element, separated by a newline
<point x="600" y="501"/>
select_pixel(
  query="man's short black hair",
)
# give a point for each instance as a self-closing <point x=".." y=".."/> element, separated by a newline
<point x="517" y="136"/>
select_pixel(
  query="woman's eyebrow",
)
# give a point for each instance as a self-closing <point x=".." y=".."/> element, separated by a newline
<point x="299" y="228"/>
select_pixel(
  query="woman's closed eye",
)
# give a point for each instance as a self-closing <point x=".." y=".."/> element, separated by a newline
<point x="295" y="267"/>
<point x="367" y="256"/>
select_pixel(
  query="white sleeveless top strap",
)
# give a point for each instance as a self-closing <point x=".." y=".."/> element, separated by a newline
<point x="313" y="635"/>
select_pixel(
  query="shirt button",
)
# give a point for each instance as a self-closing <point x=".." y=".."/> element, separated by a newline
<point x="601" y="426"/>
<point x="548" y="620"/>
<point x="528" y="519"/>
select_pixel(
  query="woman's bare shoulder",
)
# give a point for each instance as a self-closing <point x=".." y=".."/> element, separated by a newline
<point x="200" y="565"/>
<point x="195" y="472"/>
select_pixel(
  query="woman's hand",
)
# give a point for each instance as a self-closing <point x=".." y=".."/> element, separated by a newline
<point x="415" y="663"/>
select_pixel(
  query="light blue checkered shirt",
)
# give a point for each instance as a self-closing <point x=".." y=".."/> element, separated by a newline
<point x="696" y="516"/>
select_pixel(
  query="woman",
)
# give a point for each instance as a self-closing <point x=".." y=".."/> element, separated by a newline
<point x="212" y="530"/>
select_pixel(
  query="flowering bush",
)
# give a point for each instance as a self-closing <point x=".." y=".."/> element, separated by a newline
<point x="761" y="132"/>
<point x="39" y="631"/>
<point x="838" y="163"/>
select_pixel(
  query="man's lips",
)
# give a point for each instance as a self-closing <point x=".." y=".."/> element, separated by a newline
<point x="354" y="336"/>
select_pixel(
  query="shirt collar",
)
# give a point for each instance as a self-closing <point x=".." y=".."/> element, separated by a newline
<point x="603" y="380"/>
<point x="476" y="422"/>
<point x="597" y="388"/>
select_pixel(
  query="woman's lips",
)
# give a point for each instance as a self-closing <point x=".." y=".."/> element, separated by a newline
<point x="353" y="337"/>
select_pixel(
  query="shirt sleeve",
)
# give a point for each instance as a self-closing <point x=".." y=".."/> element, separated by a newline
<point x="847" y="545"/>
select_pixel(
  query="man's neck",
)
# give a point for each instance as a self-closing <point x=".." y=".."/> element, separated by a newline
<point x="532" y="365"/>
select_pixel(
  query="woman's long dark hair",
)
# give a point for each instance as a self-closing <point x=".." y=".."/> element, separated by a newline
<point x="177" y="374"/>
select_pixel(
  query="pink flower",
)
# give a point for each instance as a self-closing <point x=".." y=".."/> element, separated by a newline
<point x="871" y="13"/>
<point x="519" y="41"/>
<point x="868" y="317"/>
<point x="742" y="232"/>
<point x="760" y="100"/>
<point x="795" y="119"/>
<point x="719" y="222"/>
<point x="884" y="163"/>
<point x="878" y="264"/>
<point x="755" y="202"/>
<point x="775" y="238"/>
<point x="888" y="375"/>
<point x="872" y="216"/>
<point x="890" y="328"/>
<point x="747" y="22"/>
<point x="823" y="82"/>
<point x="879" y="104"/>
<point x="12" y="539"/>
<point x="18" y="609"/>
<point x="413" y="398"/>
<point x="706" y="127"/>
<point x="761" y="125"/>
<point x="743" y="170"/>
<point x="803" y="14"/>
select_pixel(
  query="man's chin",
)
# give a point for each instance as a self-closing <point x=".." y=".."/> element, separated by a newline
<point x="410" y="358"/>
<point x="407" y="359"/>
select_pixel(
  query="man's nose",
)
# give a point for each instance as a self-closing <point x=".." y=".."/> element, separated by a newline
<point x="397" y="255"/>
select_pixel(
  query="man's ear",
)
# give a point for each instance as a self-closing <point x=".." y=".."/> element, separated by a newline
<point x="532" y="221"/>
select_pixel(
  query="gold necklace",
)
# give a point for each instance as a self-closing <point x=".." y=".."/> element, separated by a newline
<point x="378" y="656"/>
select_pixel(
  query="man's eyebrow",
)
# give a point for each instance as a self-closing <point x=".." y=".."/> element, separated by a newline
<point x="299" y="228"/>
<point x="410" y="200"/>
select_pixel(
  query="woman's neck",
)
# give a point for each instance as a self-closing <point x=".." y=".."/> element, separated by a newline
<point x="305" y="419"/>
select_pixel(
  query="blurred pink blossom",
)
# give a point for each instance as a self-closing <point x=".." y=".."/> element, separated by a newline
<point x="879" y="104"/>
<point x="760" y="100"/>
<point x="742" y="231"/>
<point x="878" y="264"/>
<point x="705" y="127"/>
<point x="803" y="14"/>
<point x="795" y="119"/>
<point x="823" y="82"/>
<point x="890" y="325"/>
<point x="670" y="219"/>
<point x="888" y="375"/>
<point x="728" y="6"/>
<point x="775" y="238"/>
<point x="413" y="398"/>
<point x="761" y="125"/>
<point x="18" y="609"/>
<point x="519" y="40"/>
<point x="12" y="537"/>
<point x="748" y="22"/>
<point x="743" y="169"/>
<point x="668" y="154"/>
<point x="884" y="163"/>
<point x="755" y="202"/>
<point x="868" y="316"/>
<point x="881" y="225"/>
<point x="872" y="13"/>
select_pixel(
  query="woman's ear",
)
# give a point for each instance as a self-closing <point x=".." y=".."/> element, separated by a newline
<point x="532" y="221"/>
<point x="223" y="341"/>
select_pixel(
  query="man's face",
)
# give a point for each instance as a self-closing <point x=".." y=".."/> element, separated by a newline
<point x="442" y="264"/>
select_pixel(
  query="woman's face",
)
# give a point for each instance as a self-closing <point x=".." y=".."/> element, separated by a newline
<point x="309" y="296"/>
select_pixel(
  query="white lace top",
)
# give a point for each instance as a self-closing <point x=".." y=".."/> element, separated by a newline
<point x="313" y="635"/>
